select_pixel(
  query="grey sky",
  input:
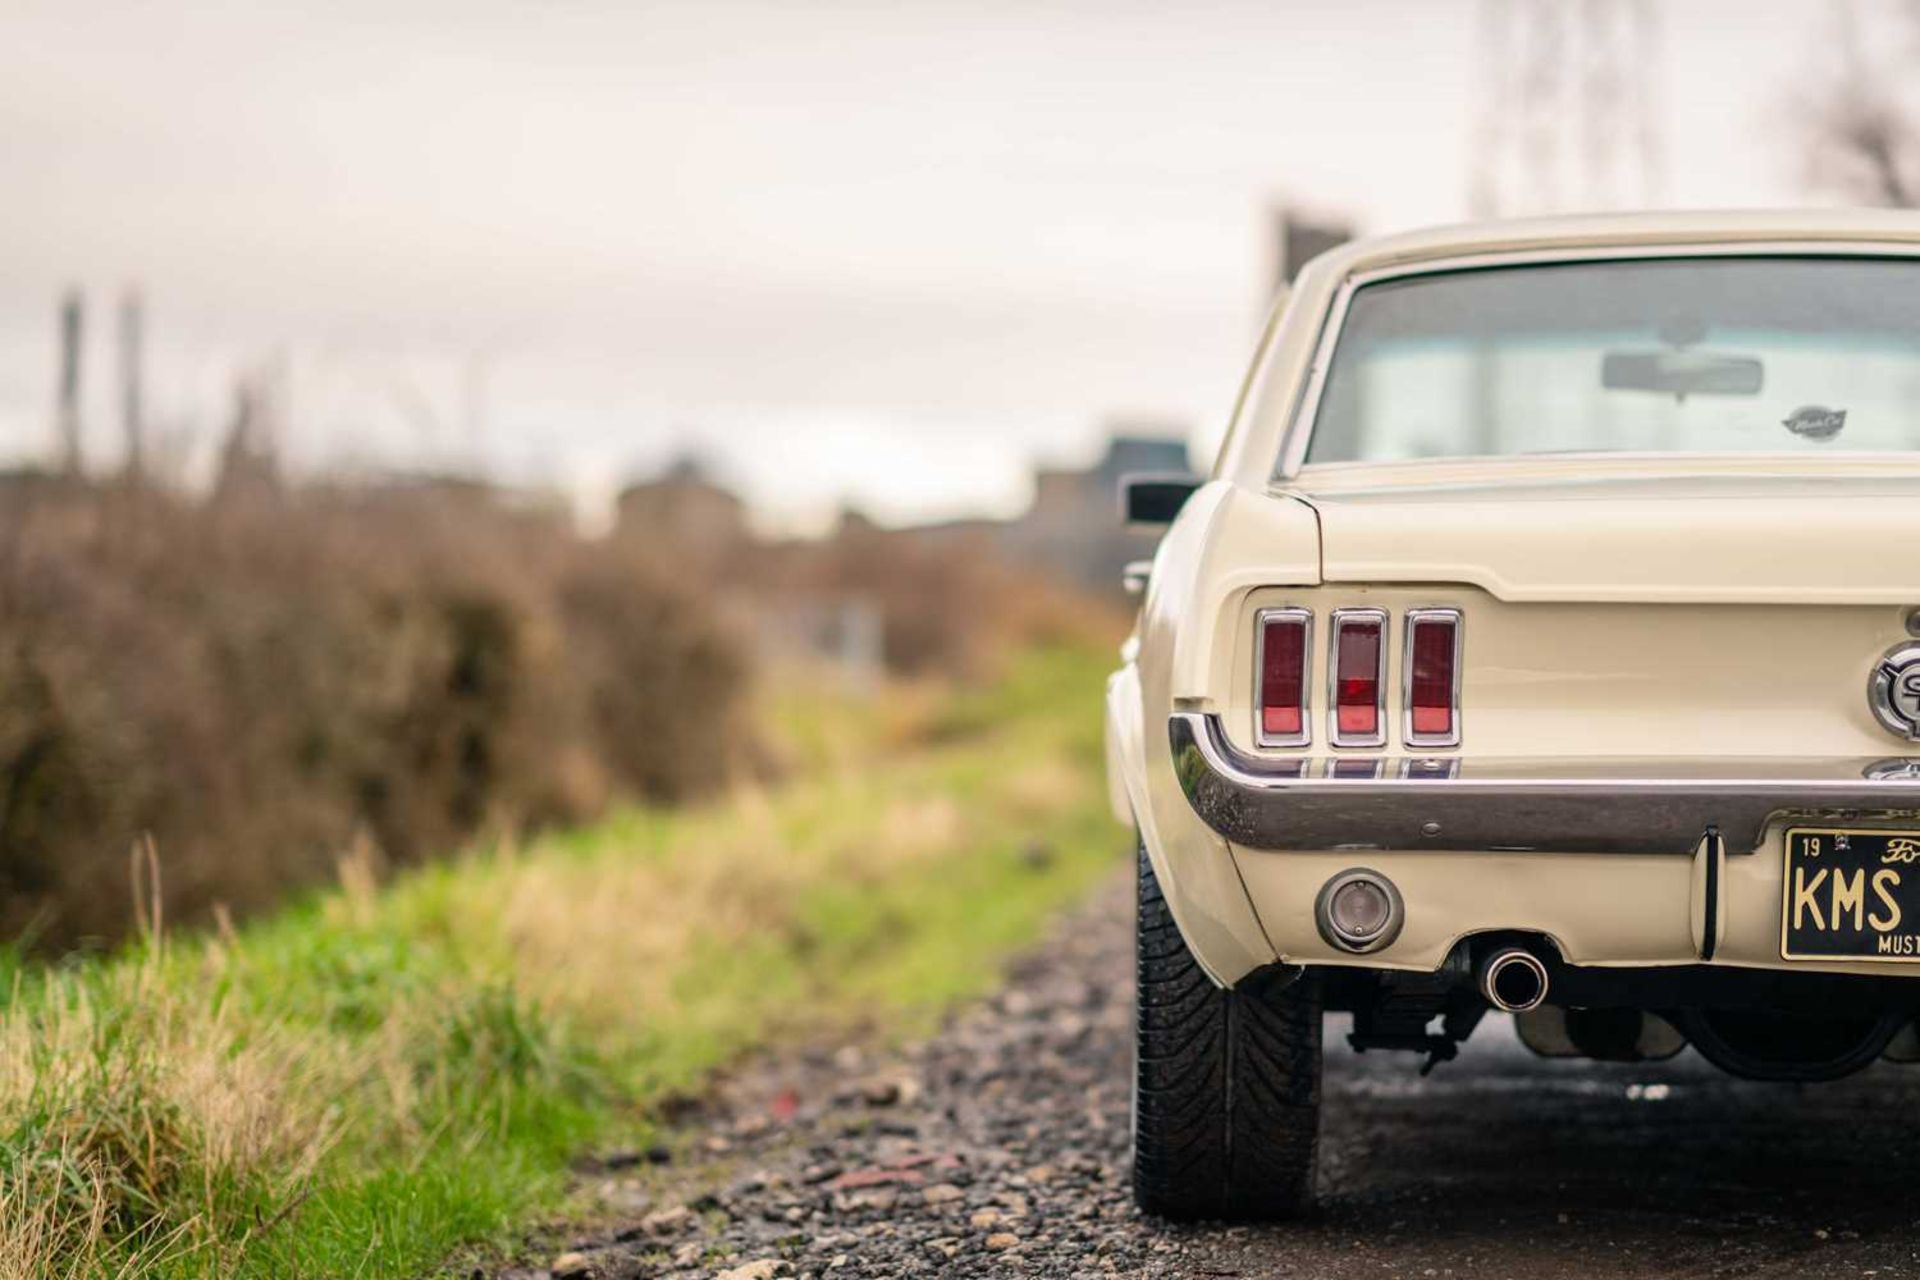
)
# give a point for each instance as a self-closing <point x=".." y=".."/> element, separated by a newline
<point x="887" y="251"/>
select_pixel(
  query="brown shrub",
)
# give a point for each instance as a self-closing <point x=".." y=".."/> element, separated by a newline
<point x="264" y="680"/>
<point x="257" y="682"/>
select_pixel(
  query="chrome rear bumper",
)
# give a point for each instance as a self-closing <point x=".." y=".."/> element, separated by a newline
<point x="1548" y="806"/>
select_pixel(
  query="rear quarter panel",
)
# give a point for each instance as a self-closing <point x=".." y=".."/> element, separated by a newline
<point x="1225" y="543"/>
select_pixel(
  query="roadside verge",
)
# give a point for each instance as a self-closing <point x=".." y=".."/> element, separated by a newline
<point x="360" y="1084"/>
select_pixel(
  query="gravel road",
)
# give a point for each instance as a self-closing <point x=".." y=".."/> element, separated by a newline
<point x="1000" y="1148"/>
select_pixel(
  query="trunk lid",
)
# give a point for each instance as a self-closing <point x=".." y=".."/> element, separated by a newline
<point x="1533" y="531"/>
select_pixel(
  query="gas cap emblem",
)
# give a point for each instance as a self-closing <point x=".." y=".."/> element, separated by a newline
<point x="1895" y="691"/>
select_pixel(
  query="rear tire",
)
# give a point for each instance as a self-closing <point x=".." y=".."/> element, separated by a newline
<point x="1226" y="1106"/>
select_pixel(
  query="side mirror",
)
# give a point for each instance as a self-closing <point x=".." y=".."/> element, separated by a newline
<point x="1155" y="498"/>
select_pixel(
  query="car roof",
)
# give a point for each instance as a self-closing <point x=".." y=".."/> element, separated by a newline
<point x="1883" y="227"/>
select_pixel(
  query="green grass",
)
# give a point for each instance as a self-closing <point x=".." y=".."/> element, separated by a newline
<point x="368" y="1080"/>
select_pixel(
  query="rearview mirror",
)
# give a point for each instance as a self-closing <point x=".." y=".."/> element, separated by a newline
<point x="1155" y="498"/>
<point x="1682" y="373"/>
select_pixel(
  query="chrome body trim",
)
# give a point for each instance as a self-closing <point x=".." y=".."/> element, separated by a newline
<point x="1291" y="613"/>
<point x="1437" y="741"/>
<point x="1298" y="437"/>
<point x="1336" y="621"/>
<point x="1595" y="805"/>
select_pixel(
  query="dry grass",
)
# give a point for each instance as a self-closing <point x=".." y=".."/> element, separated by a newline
<point x="136" y="1105"/>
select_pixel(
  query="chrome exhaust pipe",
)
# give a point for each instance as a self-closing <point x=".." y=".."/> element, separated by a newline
<point x="1513" y="980"/>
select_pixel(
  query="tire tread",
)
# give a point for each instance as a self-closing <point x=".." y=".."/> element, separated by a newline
<point x="1227" y="1083"/>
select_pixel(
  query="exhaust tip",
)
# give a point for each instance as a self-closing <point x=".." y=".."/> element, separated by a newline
<point x="1359" y="910"/>
<point x="1513" y="980"/>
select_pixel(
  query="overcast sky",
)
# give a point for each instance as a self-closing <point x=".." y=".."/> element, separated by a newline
<point x="887" y="253"/>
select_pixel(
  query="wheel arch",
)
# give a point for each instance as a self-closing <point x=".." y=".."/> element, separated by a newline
<point x="1195" y="867"/>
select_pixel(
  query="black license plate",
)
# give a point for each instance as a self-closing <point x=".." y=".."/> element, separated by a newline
<point x="1851" y="895"/>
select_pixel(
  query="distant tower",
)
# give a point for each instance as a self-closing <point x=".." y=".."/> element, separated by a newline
<point x="132" y="337"/>
<point x="1566" y="110"/>
<point x="249" y="457"/>
<point x="66" y="420"/>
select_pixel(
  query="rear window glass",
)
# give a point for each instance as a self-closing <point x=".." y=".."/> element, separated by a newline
<point x="1688" y="355"/>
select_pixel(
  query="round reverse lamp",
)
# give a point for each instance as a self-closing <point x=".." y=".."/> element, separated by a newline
<point x="1359" y="910"/>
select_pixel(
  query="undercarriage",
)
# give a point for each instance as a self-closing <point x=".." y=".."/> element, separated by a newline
<point x="1755" y="1023"/>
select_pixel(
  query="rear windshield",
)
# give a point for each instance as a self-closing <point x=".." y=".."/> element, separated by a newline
<point x="1686" y="355"/>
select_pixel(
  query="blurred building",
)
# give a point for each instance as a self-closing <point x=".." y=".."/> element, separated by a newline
<point x="1075" y="527"/>
<point x="686" y="509"/>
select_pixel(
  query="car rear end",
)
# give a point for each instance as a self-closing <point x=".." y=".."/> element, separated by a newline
<point x="1590" y="711"/>
<point x="1619" y="559"/>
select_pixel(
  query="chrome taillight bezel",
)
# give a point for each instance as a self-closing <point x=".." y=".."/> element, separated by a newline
<point x="1261" y="618"/>
<point x="1413" y="618"/>
<point x="1338" y="621"/>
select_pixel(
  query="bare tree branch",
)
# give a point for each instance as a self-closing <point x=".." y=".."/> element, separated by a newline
<point x="1864" y="139"/>
<point x="1881" y="141"/>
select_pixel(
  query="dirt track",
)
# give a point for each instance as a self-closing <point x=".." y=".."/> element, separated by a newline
<point x="1000" y="1148"/>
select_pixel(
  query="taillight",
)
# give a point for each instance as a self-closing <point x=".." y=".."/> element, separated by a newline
<point x="1284" y="640"/>
<point x="1433" y="677"/>
<point x="1359" y="654"/>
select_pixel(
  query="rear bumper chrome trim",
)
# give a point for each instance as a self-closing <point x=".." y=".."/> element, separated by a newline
<point x="1545" y="806"/>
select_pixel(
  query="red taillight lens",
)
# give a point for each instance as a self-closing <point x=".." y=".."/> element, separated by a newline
<point x="1433" y="655"/>
<point x="1283" y="676"/>
<point x="1358" y="648"/>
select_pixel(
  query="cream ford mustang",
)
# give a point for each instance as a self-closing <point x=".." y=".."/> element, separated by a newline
<point x="1546" y="640"/>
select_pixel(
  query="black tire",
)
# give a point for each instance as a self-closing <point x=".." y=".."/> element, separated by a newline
<point x="1226" y="1103"/>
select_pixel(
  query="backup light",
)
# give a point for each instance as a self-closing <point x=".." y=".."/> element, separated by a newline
<point x="1359" y="910"/>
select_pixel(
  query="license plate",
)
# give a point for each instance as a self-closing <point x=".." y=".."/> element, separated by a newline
<point x="1851" y="895"/>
